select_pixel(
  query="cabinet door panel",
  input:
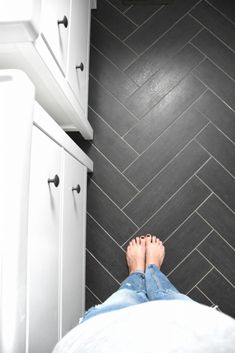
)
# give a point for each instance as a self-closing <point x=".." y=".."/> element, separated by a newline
<point x="73" y="243"/>
<point x="56" y="35"/>
<point x="43" y="246"/>
<point x="79" y="50"/>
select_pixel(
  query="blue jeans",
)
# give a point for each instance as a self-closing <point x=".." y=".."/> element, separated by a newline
<point x="138" y="288"/>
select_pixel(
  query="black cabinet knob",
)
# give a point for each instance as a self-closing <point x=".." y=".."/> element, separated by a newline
<point x="64" y="22"/>
<point x="77" y="188"/>
<point x="81" y="67"/>
<point x="55" y="181"/>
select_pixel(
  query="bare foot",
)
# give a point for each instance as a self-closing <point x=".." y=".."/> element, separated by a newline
<point x="155" y="251"/>
<point x="136" y="254"/>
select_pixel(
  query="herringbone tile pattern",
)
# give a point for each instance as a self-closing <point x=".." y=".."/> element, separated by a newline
<point x="161" y="102"/>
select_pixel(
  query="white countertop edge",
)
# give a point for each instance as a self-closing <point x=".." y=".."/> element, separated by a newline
<point x="54" y="131"/>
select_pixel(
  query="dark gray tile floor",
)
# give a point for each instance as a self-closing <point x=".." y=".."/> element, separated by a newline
<point x="161" y="103"/>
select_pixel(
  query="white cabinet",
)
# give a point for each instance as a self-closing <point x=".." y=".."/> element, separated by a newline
<point x="43" y="223"/>
<point x="73" y="244"/>
<point x="50" y="40"/>
<point x="78" y="59"/>
<point x="55" y="26"/>
<point x="43" y="243"/>
<point x="56" y="241"/>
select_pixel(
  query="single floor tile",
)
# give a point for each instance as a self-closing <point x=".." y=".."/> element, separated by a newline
<point x="220" y="254"/>
<point x="215" y="22"/>
<point x="218" y="112"/>
<point x="110" y="143"/>
<point x="189" y="272"/>
<point x="221" y="148"/>
<point x="217" y="81"/>
<point x="220" y="181"/>
<point x="110" y="77"/>
<point x="159" y="23"/>
<point x="183" y="241"/>
<point x="150" y="162"/>
<point x="112" y="47"/>
<point x="199" y="297"/>
<point x="163" y="81"/>
<point x="167" y="46"/>
<point x="98" y="280"/>
<point x="109" y="108"/>
<point x="164" y="113"/>
<point x="218" y="52"/>
<point x="108" y="215"/>
<point x="220" y="218"/>
<point x="219" y="291"/>
<point x="105" y="250"/>
<point x="161" y="188"/>
<point x="110" y="180"/>
<point x="113" y="19"/>
<point x="177" y="209"/>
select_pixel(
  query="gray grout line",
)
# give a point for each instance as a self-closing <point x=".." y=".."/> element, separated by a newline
<point x="201" y="280"/>
<point x="216" y="231"/>
<point x="113" y="202"/>
<point x="194" y="249"/>
<point x="223" y="14"/>
<point x="187" y="218"/>
<point x="222" y="132"/>
<point x="115" y="65"/>
<point x="120" y="40"/>
<point x="166" y="165"/>
<point x="203" y="182"/>
<point x="93" y="294"/>
<point x="210" y="89"/>
<point x="115" y="98"/>
<point x="154" y="214"/>
<point x="165" y="130"/>
<point x="182" y="79"/>
<point x="205" y="295"/>
<point x="103" y="266"/>
<point x="144" y="116"/>
<point x="122" y="13"/>
<point x="139" y="26"/>
<point x="119" y="172"/>
<point x="125" y="11"/>
<point x="165" y="63"/>
<point x="215" y="158"/>
<point x="218" y="67"/>
<point x="188" y="12"/>
<point x="105" y="231"/>
<point x="208" y="118"/>
<point x="215" y="268"/>
<point x="157" y="72"/>
<point x="221" y="40"/>
<point x="116" y="133"/>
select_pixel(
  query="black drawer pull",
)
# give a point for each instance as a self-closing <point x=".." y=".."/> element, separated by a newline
<point x="81" y="67"/>
<point x="55" y="181"/>
<point x="77" y="188"/>
<point x="64" y="22"/>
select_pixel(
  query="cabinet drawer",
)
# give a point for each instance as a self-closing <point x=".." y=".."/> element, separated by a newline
<point x="73" y="243"/>
<point x="55" y="28"/>
<point x="78" y="58"/>
<point x="43" y="245"/>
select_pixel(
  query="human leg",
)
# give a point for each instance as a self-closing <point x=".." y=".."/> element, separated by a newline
<point x="132" y="290"/>
<point x="158" y="286"/>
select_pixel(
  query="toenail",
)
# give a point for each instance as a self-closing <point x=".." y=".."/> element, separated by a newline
<point x="142" y="237"/>
<point x="148" y="235"/>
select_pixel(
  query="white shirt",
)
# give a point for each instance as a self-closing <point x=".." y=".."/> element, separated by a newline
<point x="159" y="326"/>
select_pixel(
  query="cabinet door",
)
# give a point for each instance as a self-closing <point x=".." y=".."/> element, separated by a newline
<point x="43" y="246"/>
<point x="56" y="34"/>
<point x="79" y="41"/>
<point x="73" y="243"/>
